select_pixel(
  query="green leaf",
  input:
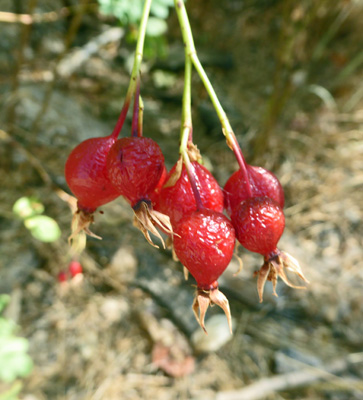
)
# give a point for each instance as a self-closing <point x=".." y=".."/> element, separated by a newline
<point x="43" y="228"/>
<point x="26" y="207"/>
<point x="14" y="361"/>
<point x="159" y="9"/>
<point x="156" y="26"/>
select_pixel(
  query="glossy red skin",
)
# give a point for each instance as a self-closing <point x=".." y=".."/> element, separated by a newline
<point x="75" y="268"/>
<point x="135" y="165"/>
<point x="259" y="223"/>
<point x="86" y="173"/>
<point x="262" y="181"/>
<point x="178" y="200"/>
<point x="155" y="193"/>
<point x="205" y="245"/>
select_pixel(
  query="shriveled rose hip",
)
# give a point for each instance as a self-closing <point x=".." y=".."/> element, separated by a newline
<point x="178" y="200"/>
<point x="204" y="242"/>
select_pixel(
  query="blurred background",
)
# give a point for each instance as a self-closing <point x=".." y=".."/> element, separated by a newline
<point x="289" y="75"/>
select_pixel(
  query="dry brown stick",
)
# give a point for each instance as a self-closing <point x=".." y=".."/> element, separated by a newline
<point x="37" y="18"/>
<point x="71" y="34"/>
<point x="267" y="386"/>
<point x="28" y="19"/>
<point x="24" y="38"/>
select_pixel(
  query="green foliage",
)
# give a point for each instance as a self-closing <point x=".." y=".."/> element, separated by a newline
<point x="129" y="12"/>
<point x="41" y="227"/>
<point x="14" y="360"/>
<point x="26" y="207"/>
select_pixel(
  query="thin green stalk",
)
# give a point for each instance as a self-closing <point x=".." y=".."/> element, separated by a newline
<point x="186" y="129"/>
<point x="186" y="125"/>
<point x="191" y="53"/>
<point x="135" y="69"/>
<point x="136" y="111"/>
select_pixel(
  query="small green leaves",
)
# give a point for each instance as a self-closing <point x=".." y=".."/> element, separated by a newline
<point x="27" y="207"/>
<point x="130" y="12"/>
<point x="156" y="26"/>
<point x="41" y="227"/>
<point x="14" y="360"/>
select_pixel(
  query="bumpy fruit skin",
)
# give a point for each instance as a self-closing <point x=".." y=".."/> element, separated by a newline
<point x="263" y="183"/>
<point x="178" y="201"/>
<point x="135" y="166"/>
<point x="86" y="173"/>
<point x="154" y="195"/>
<point x="259" y="223"/>
<point x="204" y="244"/>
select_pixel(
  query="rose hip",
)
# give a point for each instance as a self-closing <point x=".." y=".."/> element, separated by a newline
<point x="86" y="174"/>
<point x="204" y="242"/>
<point x="135" y="165"/>
<point x="262" y="183"/>
<point x="178" y="200"/>
<point x="259" y="223"/>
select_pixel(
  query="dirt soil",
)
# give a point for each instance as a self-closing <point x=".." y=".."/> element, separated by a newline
<point x="289" y="77"/>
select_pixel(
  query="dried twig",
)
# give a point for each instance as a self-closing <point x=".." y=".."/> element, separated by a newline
<point x="267" y="386"/>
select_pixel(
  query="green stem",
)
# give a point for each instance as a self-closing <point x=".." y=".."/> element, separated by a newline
<point x="187" y="129"/>
<point x="135" y="69"/>
<point x="191" y="53"/>
<point x="135" y="115"/>
<point x="186" y="126"/>
<point x="141" y="117"/>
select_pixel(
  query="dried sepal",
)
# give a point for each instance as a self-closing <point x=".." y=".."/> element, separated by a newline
<point x="81" y="221"/>
<point x="193" y="152"/>
<point x="146" y="220"/>
<point x="205" y="298"/>
<point x="273" y="268"/>
<point x="175" y="175"/>
<point x="240" y="263"/>
<point x="200" y="306"/>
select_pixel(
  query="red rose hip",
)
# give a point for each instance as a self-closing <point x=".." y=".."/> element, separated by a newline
<point x="178" y="200"/>
<point x="262" y="182"/>
<point x="204" y="243"/>
<point x="86" y="173"/>
<point x="135" y="166"/>
<point x="259" y="223"/>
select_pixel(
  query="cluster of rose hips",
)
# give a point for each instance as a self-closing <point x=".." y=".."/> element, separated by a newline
<point x="187" y="205"/>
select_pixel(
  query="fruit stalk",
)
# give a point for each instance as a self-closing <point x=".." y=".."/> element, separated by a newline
<point x="191" y="53"/>
<point x="186" y="129"/>
<point x="135" y="128"/>
<point x="135" y="69"/>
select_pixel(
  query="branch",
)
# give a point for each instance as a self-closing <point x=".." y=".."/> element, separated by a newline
<point x="267" y="386"/>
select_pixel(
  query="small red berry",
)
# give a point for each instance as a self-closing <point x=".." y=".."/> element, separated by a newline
<point x="62" y="277"/>
<point x="86" y="174"/>
<point x="178" y="200"/>
<point x="75" y="268"/>
<point x="204" y="244"/>
<point x="135" y="165"/>
<point x="259" y="223"/>
<point x="262" y="181"/>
